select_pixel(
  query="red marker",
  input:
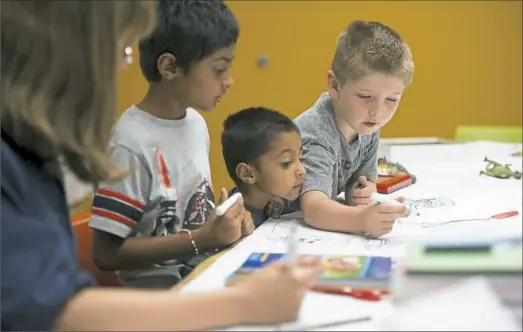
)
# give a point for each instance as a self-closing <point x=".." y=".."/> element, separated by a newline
<point x="366" y="295"/>
<point x="499" y="216"/>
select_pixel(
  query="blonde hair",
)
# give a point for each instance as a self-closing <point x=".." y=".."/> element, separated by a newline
<point x="58" y="87"/>
<point x="366" y="48"/>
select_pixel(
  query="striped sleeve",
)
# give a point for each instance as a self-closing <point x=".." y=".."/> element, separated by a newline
<point x="118" y="207"/>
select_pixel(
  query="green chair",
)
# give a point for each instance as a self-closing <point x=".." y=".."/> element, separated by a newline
<point x="507" y="134"/>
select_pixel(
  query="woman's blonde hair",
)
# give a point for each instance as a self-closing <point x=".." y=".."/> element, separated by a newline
<point x="58" y="77"/>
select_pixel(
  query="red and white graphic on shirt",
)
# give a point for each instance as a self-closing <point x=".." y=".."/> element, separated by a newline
<point x="165" y="222"/>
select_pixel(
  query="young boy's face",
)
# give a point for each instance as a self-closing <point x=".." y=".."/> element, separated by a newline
<point x="207" y="82"/>
<point x="280" y="172"/>
<point x="368" y="103"/>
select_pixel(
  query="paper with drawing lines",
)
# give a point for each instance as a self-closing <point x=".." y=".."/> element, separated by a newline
<point x="272" y="236"/>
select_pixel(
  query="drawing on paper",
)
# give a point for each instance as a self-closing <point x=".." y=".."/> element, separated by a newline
<point x="368" y="242"/>
<point x="429" y="203"/>
<point x="283" y="239"/>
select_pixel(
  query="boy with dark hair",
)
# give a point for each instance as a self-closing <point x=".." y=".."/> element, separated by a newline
<point x="261" y="149"/>
<point x="158" y="223"/>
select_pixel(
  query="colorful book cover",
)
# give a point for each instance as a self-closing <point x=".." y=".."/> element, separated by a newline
<point x="338" y="271"/>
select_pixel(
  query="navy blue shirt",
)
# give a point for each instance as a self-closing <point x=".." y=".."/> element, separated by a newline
<point x="258" y="215"/>
<point x="39" y="267"/>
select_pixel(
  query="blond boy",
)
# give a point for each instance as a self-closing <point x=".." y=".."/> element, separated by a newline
<point x="371" y="68"/>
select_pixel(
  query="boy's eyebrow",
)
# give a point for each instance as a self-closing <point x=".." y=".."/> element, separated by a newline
<point x="286" y="151"/>
<point x="225" y="58"/>
<point x="394" y="93"/>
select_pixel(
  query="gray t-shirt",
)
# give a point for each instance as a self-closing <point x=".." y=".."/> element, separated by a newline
<point x="169" y="188"/>
<point x="330" y="160"/>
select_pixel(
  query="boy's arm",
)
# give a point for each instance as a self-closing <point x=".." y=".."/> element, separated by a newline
<point x="319" y="209"/>
<point x="117" y="209"/>
<point x="369" y="167"/>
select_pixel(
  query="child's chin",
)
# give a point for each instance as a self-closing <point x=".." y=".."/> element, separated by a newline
<point x="366" y="130"/>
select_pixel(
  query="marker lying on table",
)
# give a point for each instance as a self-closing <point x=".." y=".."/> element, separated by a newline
<point x="225" y="206"/>
<point x="366" y="295"/>
<point x="386" y="199"/>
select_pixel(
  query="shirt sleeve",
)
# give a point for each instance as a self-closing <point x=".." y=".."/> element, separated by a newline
<point x="119" y="206"/>
<point x="319" y="162"/>
<point x="369" y="166"/>
<point x="39" y="268"/>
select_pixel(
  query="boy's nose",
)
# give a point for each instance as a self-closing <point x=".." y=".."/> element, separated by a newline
<point x="229" y="82"/>
<point x="301" y="169"/>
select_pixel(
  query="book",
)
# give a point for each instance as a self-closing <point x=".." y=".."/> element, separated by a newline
<point x="357" y="273"/>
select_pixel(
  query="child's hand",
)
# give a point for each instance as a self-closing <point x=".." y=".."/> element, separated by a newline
<point x="274" y="208"/>
<point x="218" y="232"/>
<point x="378" y="219"/>
<point x="361" y="191"/>
<point x="274" y="294"/>
<point x="247" y="225"/>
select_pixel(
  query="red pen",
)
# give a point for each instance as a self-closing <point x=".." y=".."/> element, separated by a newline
<point x="366" y="295"/>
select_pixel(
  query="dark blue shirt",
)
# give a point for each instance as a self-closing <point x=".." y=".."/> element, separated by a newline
<point x="258" y="215"/>
<point x="39" y="267"/>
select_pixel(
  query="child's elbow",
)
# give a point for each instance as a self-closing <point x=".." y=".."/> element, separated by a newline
<point x="104" y="252"/>
<point x="104" y="264"/>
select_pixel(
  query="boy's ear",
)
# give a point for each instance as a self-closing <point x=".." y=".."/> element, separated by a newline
<point x="166" y="65"/>
<point x="333" y="85"/>
<point x="245" y="173"/>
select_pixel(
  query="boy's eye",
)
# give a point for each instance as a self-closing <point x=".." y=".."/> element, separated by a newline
<point x="286" y="164"/>
<point x="221" y="71"/>
<point x="364" y="96"/>
<point x="392" y="100"/>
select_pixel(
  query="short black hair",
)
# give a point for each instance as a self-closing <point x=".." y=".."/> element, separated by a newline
<point x="189" y="29"/>
<point x="247" y="135"/>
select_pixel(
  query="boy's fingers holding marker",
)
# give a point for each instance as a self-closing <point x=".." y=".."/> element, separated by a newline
<point x="390" y="209"/>
<point x="247" y="224"/>
<point x="362" y="180"/>
<point x="400" y="199"/>
<point x="223" y="196"/>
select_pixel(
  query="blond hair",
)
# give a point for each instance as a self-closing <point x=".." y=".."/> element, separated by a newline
<point x="365" y="48"/>
<point x="58" y="83"/>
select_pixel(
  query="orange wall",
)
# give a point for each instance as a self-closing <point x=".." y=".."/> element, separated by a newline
<point x="467" y="56"/>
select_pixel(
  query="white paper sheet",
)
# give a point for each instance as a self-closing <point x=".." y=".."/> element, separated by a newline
<point x="470" y="305"/>
<point x="273" y="234"/>
<point x="453" y="152"/>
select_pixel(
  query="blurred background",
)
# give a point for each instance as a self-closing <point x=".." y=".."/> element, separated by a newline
<point x="467" y="54"/>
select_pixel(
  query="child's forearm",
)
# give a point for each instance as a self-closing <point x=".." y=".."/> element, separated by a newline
<point x="322" y="212"/>
<point x="133" y="310"/>
<point x="141" y="252"/>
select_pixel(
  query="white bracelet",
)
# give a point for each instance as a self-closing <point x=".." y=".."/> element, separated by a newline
<point x="189" y="234"/>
